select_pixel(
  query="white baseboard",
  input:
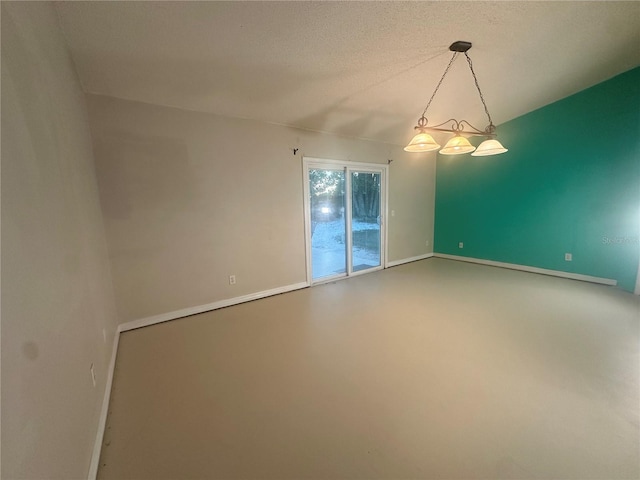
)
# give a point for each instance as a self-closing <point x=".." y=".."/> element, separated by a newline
<point x="395" y="263"/>
<point x="526" y="268"/>
<point x="164" y="317"/>
<point x="102" y="420"/>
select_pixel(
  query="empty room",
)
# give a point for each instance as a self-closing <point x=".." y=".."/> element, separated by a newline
<point x="320" y="240"/>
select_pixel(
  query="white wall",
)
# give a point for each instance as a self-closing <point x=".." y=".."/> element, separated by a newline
<point x="190" y="198"/>
<point x="57" y="295"/>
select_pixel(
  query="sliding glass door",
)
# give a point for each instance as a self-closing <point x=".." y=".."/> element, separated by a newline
<point x="328" y="222"/>
<point x="366" y="233"/>
<point x="344" y="218"/>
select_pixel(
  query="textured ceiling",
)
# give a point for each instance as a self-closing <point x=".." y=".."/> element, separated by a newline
<point x="360" y="69"/>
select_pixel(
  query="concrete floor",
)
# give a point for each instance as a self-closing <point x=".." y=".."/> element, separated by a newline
<point x="431" y="370"/>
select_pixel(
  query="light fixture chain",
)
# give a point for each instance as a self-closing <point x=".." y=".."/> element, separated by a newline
<point x="475" y="79"/>
<point x="455" y="54"/>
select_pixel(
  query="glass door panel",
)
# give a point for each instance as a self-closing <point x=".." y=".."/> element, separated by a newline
<point x="365" y="220"/>
<point x="328" y="223"/>
<point x="344" y="218"/>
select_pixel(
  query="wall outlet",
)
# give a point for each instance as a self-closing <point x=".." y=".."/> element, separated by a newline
<point x="568" y="257"/>
<point x="460" y="245"/>
<point x="93" y="376"/>
<point x="427" y="243"/>
<point x="393" y="213"/>
<point x="232" y="279"/>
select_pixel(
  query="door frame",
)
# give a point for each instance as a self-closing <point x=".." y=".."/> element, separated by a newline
<point x="348" y="166"/>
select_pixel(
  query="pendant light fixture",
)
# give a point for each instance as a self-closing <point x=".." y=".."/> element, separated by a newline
<point x="424" y="142"/>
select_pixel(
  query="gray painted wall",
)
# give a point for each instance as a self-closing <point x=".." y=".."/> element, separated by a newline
<point x="190" y="198"/>
<point x="57" y="295"/>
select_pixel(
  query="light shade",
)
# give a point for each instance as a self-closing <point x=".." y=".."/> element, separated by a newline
<point x="489" y="147"/>
<point x="457" y="146"/>
<point x="422" y="142"/>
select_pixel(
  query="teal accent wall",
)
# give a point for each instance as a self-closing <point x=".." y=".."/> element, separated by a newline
<point x="570" y="182"/>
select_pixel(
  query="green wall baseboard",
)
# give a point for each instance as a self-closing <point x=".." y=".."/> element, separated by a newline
<point x="526" y="268"/>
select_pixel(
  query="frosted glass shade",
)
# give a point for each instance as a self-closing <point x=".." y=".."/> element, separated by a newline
<point x="489" y="147"/>
<point x="457" y="146"/>
<point x="422" y="142"/>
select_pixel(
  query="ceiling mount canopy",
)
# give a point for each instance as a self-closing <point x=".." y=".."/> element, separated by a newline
<point x="424" y="142"/>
